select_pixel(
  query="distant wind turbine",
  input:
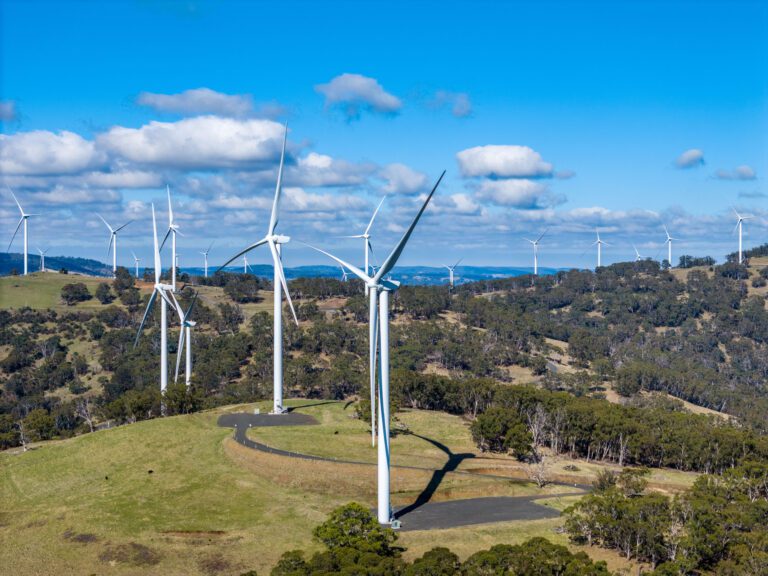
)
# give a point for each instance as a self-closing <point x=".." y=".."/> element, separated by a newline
<point x="599" y="244"/>
<point x="669" y="246"/>
<point x="379" y="288"/>
<point x="161" y="290"/>
<point x="22" y="220"/>
<point x="185" y="335"/>
<point x="42" y="258"/>
<point x="366" y="236"/>
<point x="535" y="244"/>
<point x="113" y="241"/>
<point x="739" y="226"/>
<point x="205" y="255"/>
<point x="275" y="241"/>
<point x="173" y="229"/>
<point x="450" y="271"/>
<point x="344" y="274"/>
<point x="246" y="266"/>
<point x="136" y="261"/>
<point x="637" y="254"/>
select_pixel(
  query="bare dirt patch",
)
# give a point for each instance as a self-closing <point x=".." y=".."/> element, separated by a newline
<point x="132" y="554"/>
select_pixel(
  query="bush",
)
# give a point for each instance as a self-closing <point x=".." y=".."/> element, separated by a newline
<point x="353" y="526"/>
<point x="71" y="294"/>
<point x="104" y="294"/>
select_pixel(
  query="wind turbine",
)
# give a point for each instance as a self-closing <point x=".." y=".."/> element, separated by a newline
<point x="246" y="266"/>
<point x="637" y="254"/>
<point x="275" y="241"/>
<point x="136" y="261"/>
<point x="22" y="220"/>
<point x="739" y="226"/>
<point x="599" y="243"/>
<point x="535" y="244"/>
<point x="366" y="236"/>
<point x="205" y="255"/>
<point x="173" y="229"/>
<point x="450" y="271"/>
<point x="379" y="288"/>
<point x="42" y="258"/>
<point x="185" y="334"/>
<point x="669" y="246"/>
<point x="344" y="274"/>
<point x="161" y="290"/>
<point x="113" y="241"/>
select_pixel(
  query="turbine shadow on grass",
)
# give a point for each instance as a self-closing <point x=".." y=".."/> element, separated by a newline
<point x="454" y="460"/>
<point x="290" y="409"/>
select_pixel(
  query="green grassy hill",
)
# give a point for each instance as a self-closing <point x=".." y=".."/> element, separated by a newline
<point x="179" y="496"/>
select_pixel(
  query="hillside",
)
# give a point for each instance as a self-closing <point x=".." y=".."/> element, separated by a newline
<point x="15" y="261"/>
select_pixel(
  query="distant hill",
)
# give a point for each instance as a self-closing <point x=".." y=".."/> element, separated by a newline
<point x="11" y="261"/>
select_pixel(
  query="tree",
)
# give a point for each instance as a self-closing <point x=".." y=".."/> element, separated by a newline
<point x="435" y="562"/>
<point x="103" y="293"/>
<point x="38" y="425"/>
<point x="71" y="294"/>
<point x="353" y="526"/>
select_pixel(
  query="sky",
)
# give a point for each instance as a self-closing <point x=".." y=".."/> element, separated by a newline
<point x="554" y="117"/>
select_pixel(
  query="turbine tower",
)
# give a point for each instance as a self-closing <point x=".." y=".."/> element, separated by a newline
<point x="599" y="243"/>
<point x="245" y="264"/>
<point x="275" y="241"/>
<point x="136" y="261"/>
<point x="22" y="220"/>
<point x="42" y="258"/>
<point x="185" y="334"/>
<point x="450" y="272"/>
<point x="379" y="288"/>
<point x="205" y="256"/>
<point x="739" y="227"/>
<point x="173" y="229"/>
<point x="366" y="236"/>
<point x="113" y="242"/>
<point x="161" y="290"/>
<point x="535" y="244"/>
<point x="668" y="241"/>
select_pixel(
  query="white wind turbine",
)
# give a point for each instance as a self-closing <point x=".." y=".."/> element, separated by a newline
<point x="535" y="244"/>
<point x="275" y="241"/>
<point x="378" y="292"/>
<point x="366" y="236"/>
<point x="42" y="258"/>
<point x="161" y="290"/>
<point x="185" y="334"/>
<point x="344" y="274"/>
<point x="173" y="229"/>
<point x="113" y="241"/>
<point x="450" y="271"/>
<point x="668" y="242"/>
<point x="637" y="254"/>
<point x="599" y="243"/>
<point x="22" y="220"/>
<point x="246" y="266"/>
<point x="205" y="256"/>
<point x="136" y="261"/>
<point x="739" y="226"/>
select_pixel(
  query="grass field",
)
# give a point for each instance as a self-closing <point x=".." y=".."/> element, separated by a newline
<point x="179" y="496"/>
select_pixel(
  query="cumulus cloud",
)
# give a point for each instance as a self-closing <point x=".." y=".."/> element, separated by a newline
<point x="7" y="111"/>
<point x="62" y="195"/>
<point x="742" y="172"/>
<point x="41" y="152"/>
<point x="354" y="93"/>
<point x="201" y="142"/>
<point x="503" y="161"/>
<point x="692" y="158"/>
<point x="123" y="179"/>
<point x="401" y="179"/>
<point x="199" y="101"/>
<point x="322" y="170"/>
<point x="518" y="193"/>
<point x="459" y="102"/>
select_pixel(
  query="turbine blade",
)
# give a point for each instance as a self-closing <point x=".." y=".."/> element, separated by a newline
<point x="279" y="267"/>
<point x="458" y="262"/>
<point x="356" y="236"/>
<point x="17" y="201"/>
<point x="191" y="306"/>
<point x="391" y="260"/>
<point x="111" y="240"/>
<point x="170" y="208"/>
<point x="146" y="315"/>
<point x="354" y="269"/>
<point x="124" y="225"/>
<point x="542" y="234"/>
<point x="157" y="250"/>
<point x="368" y="229"/>
<point x="15" y="232"/>
<point x="736" y="227"/>
<point x="273" y="219"/>
<point x="178" y="353"/>
<point x="165" y="238"/>
<point x="105" y="222"/>
<point x="244" y="251"/>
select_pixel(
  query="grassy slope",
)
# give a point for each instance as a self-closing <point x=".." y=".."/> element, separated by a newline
<point x="210" y="505"/>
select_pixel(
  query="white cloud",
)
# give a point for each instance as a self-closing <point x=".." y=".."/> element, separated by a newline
<point x="41" y="152"/>
<point x="401" y="179"/>
<point x="459" y="102"/>
<point x="354" y="93"/>
<point x="518" y="193"/>
<point x="7" y="110"/>
<point x="199" y="101"/>
<point x="298" y="199"/>
<point x="201" y="142"/>
<point x="742" y="172"/>
<point x="62" y="195"/>
<point x="692" y="158"/>
<point x="504" y="161"/>
<point x="321" y="170"/>
<point x="123" y="179"/>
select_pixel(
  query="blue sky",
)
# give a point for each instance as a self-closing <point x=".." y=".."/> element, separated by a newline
<point x="565" y="116"/>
